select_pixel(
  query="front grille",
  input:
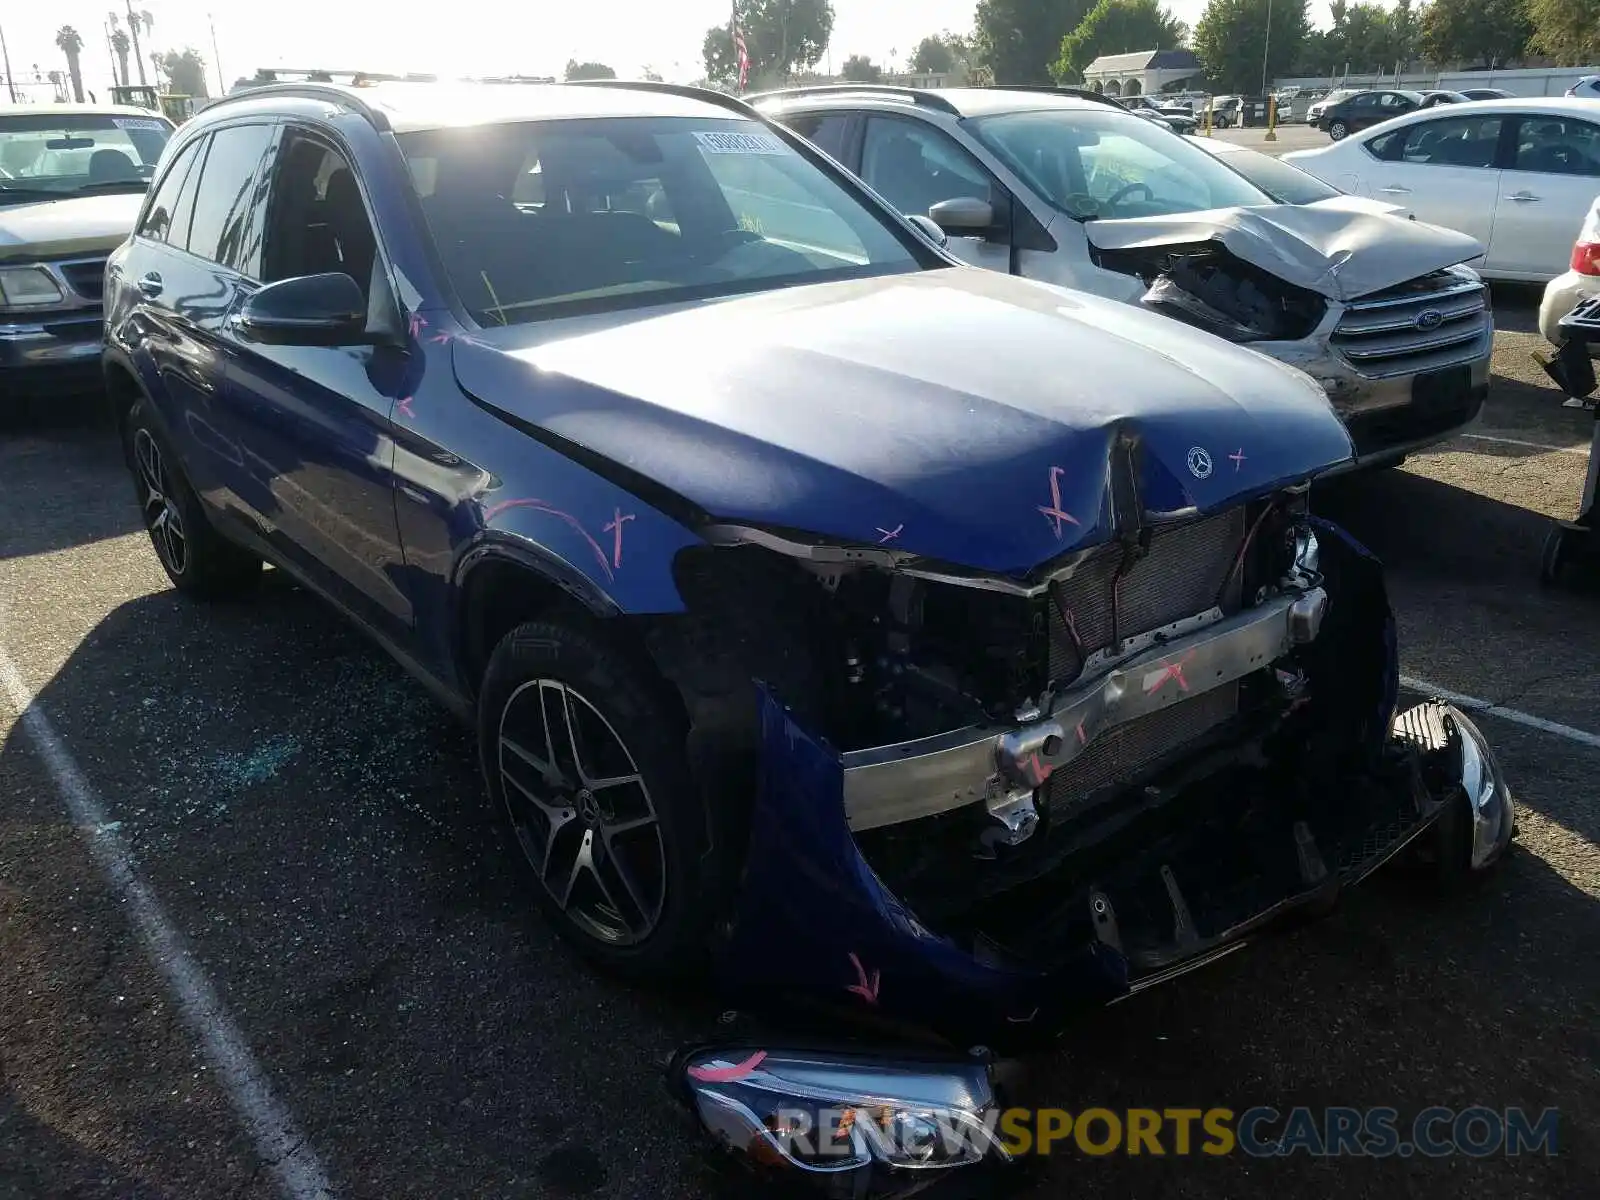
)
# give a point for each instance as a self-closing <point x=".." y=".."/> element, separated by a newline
<point x="1435" y="321"/>
<point x="1179" y="577"/>
<point x="88" y="279"/>
<point x="1120" y="754"/>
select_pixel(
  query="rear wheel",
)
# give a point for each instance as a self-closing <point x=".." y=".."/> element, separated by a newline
<point x="198" y="560"/>
<point x="582" y="750"/>
<point x="1338" y="131"/>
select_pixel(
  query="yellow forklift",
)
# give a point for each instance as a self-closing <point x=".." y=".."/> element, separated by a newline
<point x="176" y="107"/>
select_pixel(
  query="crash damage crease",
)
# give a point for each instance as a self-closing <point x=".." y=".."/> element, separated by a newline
<point x="1047" y="880"/>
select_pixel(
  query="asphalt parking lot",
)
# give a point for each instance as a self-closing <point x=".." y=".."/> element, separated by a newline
<point x="310" y="827"/>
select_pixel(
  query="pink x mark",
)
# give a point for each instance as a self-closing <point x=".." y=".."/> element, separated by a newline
<point x="868" y="991"/>
<point x="405" y="408"/>
<point x="615" y="525"/>
<point x="1238" y="459"/>
<point x="889" y="535"/>
<point x="1055" y="514"/>
<point x="1153" y="680"/>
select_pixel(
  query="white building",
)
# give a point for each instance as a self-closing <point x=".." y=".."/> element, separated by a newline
<point x="1142" y="72"/>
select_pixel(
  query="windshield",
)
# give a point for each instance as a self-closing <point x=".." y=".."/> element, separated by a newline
<point x="48" y="155"/>
<point x="1284" y="182"/>
<point x="1105" y="165"/>
<point x="538" y="219"/>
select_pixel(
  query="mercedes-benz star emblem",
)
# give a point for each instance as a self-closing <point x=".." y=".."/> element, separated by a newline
<point x="1429" y="318"/>
<point x="1199" y="462"/>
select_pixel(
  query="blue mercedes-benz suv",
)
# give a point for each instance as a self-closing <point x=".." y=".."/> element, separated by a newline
<point x="926" y="641"/>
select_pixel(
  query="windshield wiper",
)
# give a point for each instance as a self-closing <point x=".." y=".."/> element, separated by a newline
<point x="105" y="185"/>
<point x="29" y="191"/>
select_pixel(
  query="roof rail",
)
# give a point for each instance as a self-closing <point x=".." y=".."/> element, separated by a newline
<point x="926" y="97"/>
<point x="331" y="92"/>
<point x="1052" y="89"/>
<point x="709" y="95"/>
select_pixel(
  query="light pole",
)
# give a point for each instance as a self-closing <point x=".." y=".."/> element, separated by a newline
<point x="216" y="57"/>
<point x="5" y="58"/>
<point x="1266" y="49"/>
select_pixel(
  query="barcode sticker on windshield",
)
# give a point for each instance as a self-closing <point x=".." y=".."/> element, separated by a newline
<point x="740" y="143"/>
<point x="138" y="123"/>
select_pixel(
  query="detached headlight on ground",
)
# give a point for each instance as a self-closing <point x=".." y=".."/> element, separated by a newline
<point x="28" y="287"/>
<point x="856" y="1122"/>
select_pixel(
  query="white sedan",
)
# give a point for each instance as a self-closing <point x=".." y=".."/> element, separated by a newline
<point x="1582" y="280"/>
<point x="1518" y="175"/>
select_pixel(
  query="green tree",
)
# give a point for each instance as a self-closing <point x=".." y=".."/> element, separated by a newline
<point x="1019" y="40"/>
<point x="1232" y="43"/>
<point x="1115" y="26"/>
<point x="933" y="55"/>
<point x="1476" y="32"/>
<point x="858" y="68"/>
<point x="1567" y="30"/>
<point x="71" y="44"/>
<point x="1405" y="32"/>
<point x="779" y="35"/>
<point x="187" y="71"/>
<point x="588" y="70"/>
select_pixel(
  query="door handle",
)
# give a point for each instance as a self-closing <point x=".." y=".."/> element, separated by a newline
<point x="150" y="285"/>
<point x="1523" y="197"/>
<point x="1396" y="191"/>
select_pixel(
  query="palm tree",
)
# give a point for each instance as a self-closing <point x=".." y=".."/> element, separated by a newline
<point x="137" y="21"/>
<point x="119" y="46"/>
<point x="70" y="44"/>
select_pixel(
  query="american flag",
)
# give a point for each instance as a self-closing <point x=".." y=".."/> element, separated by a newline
<point x="740" y="50"/>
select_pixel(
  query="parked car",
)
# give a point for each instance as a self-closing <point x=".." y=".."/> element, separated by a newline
<point x="1517" y="175"/>
<point x="1587" y="88"/>
<point x="1225" y="111"/>
<point x="795" y="578"/>
<point x="1322" y="102"/>
<point x="1580" y="281"/>
<point x="1174" y="116"/>
<point x="1363" y="110"/>
<point x="1436" y="98"/>
<point x="1286" y="183"/>
<point x="1486" y="93"/>
<point x="72" y="178"/>
<point x="1066" y="190"/>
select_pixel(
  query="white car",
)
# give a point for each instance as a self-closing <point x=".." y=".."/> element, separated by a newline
<point x="1587" y="88"/>
<point x="1288" y="184"/>
<point x="1075" y="191"/>
<point x="1582" y="279"/>
<point x="1517" y="175"/>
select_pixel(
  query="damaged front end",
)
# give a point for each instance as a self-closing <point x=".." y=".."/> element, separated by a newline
<point x="1399" y="337"/>
<point x="984" y="805"/>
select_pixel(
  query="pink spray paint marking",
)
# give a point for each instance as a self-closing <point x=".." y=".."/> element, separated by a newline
<point x="868" y="991"/>
<point x="1083" y="738"/>
<point x="441" y="337"/>
<point x="729" y="1074"/>
<point x="405" y="407"/>
<point x="418" y="324"/>
<point x="1154" y="680"/>
<point x="1055" y="514"/>
<point x="1238" y="459"/>
<point x="494" y="510"/>
<point x="889" y="535"/>
<point x="615" y="525"/>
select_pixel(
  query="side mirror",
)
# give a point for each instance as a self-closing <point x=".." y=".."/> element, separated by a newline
<point x="963" y="215"/>
<point x="309" y="310"/>
<point x="931" y="229"/>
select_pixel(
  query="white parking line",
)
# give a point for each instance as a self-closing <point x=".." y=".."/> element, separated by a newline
<point x="279" y="1142"/>
<point x="1472" y="704"/>
<point x="1505" y="441"/>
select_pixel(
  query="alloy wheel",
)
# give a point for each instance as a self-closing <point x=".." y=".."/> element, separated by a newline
<point x="1338" y="130"/>
<point x="162" y="517"/>
<point x="581" y="812"/>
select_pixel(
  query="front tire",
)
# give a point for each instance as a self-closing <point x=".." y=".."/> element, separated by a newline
<point x="1338" y="131"/>
<point x="198" y="560"/>
<point x="582" y="750"/>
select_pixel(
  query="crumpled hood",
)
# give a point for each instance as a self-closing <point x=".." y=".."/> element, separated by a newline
<point x="1330" y="250"/>
<point x="957" y="414"/>
<point x="62" y="228"/>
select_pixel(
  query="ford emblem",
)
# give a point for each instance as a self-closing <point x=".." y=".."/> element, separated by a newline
<point x="1429" y="318"/>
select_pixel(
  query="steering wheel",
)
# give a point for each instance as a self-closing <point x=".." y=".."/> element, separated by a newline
<point x="1128" y="189"/>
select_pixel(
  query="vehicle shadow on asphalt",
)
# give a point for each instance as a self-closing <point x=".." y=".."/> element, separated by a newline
<point x="54" y="469"/>
<point x="36" y="1160"/>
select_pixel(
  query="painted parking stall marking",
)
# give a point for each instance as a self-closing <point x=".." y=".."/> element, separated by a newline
<point x="278" y="1140"/>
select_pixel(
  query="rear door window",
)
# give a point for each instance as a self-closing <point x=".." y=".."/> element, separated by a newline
<point x="1557" y="146"/>
<point x="827" y="131"/>
<point x="167" y="217"/>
